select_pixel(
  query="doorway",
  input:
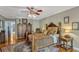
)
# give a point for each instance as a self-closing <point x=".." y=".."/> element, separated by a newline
<point x="10" y="32"/>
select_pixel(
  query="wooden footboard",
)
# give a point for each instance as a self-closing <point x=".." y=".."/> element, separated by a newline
<point x="33" y="44"/>
<point x="41" y="42"/>
<point x="34" y="37"/>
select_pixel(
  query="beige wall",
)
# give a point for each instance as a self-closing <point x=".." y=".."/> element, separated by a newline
<point x="35" y="24"/>
<point x="73" y="17"/>
<point x="2" y="18"/>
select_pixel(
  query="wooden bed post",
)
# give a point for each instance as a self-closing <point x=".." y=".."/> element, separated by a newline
<point x="60" y="33"/>
<point x="59" y="29"/>
<point x="33" y="44"/>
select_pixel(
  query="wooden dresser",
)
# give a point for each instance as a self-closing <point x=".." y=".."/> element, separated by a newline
<point x="2" y="37"/>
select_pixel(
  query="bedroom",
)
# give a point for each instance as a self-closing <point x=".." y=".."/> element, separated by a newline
<point x="30" y="23"/>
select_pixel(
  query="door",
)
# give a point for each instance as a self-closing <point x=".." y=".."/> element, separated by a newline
<point x="10" y="32"/>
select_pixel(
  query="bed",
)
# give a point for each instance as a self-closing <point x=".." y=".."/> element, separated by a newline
<point x="41" y="41"/>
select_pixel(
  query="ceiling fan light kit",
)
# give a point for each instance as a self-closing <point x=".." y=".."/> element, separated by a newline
<point x="31" y="15"/>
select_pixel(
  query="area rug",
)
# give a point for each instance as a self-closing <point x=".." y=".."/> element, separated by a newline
<point x="23" y="47"/>
<point x="19" y="47"/>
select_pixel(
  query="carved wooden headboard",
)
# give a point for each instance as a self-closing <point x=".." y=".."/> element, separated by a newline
<point x="52" y="25"/>
<point x="52" y="28"/>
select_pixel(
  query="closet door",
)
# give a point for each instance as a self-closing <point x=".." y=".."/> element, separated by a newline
<point x="24" y="30"/>
<point x="29" y="28"/>
<point x="19" y="31"/>
<point x="24" y="22"/>
<point x="21" y="28"/>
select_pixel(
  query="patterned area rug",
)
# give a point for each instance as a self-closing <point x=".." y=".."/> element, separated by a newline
<point x="23" y="47"/>
<point x="19" y="47"/>
<point x="49" y="49"/>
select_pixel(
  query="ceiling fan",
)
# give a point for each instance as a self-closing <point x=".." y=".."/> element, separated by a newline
<point x="35" y="11"/>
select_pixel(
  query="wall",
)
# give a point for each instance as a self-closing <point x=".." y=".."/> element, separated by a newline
<point x="35" y="24"/>
<point x="73" y="17"/>
<point x="2" y="18"/>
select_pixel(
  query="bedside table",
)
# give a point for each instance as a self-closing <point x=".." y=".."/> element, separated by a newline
<point x="65" y="40"/>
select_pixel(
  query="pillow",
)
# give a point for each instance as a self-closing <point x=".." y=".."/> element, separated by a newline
<point x="54" y="38"/>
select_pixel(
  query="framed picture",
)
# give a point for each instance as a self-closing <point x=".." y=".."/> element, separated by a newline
<point x="24" y="21"/>
<point x="75" y="25"/>
<point x="66" y="19"/>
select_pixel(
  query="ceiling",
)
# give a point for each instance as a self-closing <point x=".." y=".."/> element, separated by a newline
<point x="21" y="11"/>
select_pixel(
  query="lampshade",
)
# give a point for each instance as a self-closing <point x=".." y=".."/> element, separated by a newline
<point x="67" y="29"/>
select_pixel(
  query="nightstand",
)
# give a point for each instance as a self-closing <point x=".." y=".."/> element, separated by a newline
<point x="64" y="42"/>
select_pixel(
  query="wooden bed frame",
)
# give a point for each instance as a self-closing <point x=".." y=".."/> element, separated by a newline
<point x="37" y="37"/>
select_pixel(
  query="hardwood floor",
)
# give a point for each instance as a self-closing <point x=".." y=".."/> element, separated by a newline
<point x="60" y="48"/>
<point x="64" y="50"/>
<point x="8" y="43"/>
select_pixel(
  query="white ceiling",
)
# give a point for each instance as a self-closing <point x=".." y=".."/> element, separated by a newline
<point x="20" y="11"/>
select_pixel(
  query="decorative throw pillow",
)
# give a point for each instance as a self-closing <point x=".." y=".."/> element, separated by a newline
<point x="54" y="38"/>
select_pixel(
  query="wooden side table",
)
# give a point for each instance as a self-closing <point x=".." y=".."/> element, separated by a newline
<point x="65" y="41"/>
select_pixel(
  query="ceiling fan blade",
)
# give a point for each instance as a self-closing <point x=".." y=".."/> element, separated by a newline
<point x="39" y="10"/>
<point x="37" y="13"/>
<point x="28" y="8"/>
<point x="32" y="7"/>
<point x="34" y="11"/>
